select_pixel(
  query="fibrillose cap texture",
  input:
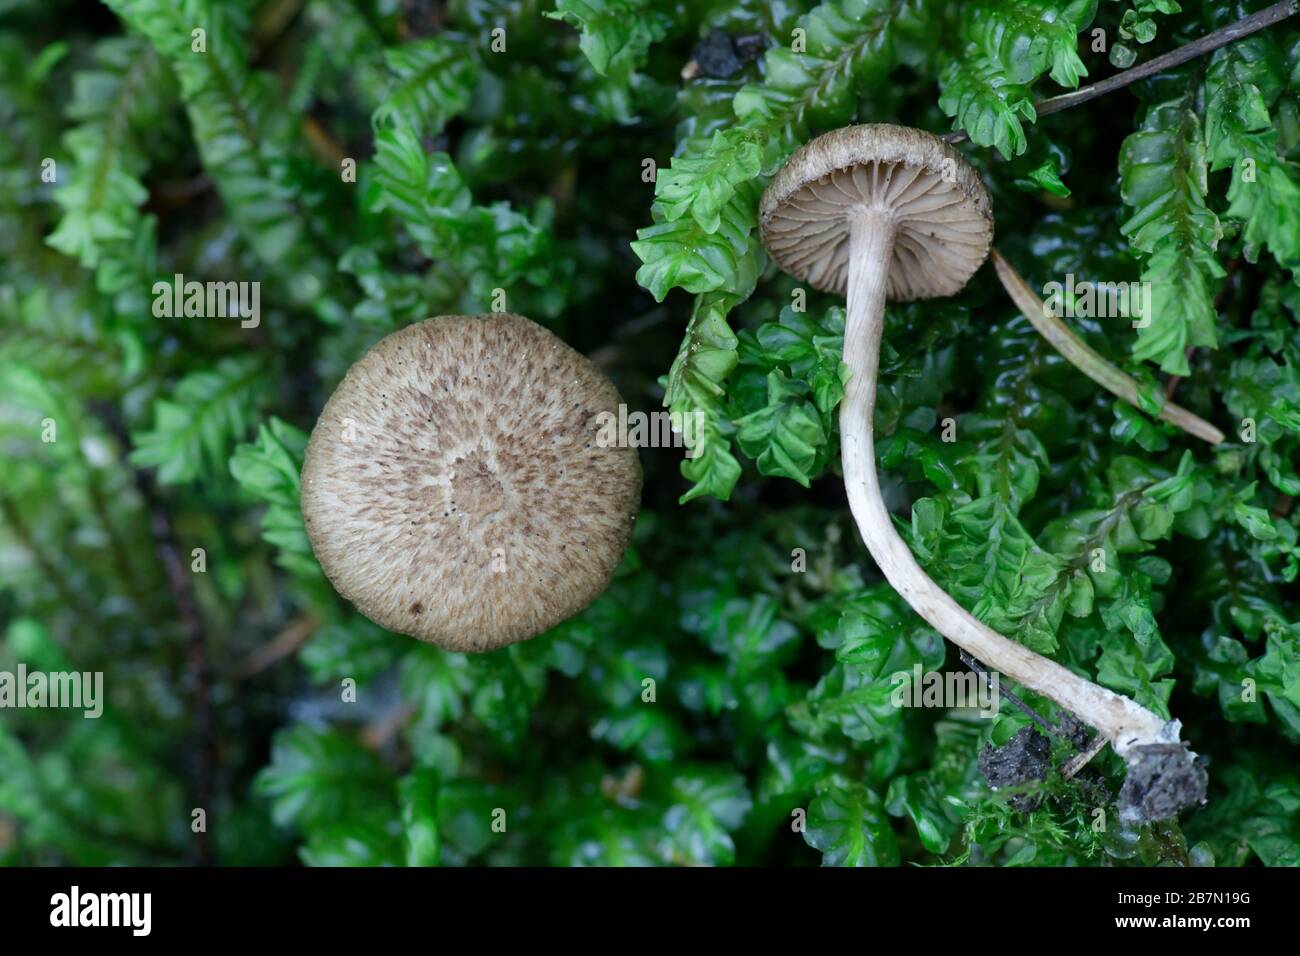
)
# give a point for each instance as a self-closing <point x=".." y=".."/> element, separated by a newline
<point x="940" y="209"/>
<point x="454" y="488"/>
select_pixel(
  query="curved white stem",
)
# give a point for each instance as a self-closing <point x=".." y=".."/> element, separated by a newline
<point x="1119" y="719"/>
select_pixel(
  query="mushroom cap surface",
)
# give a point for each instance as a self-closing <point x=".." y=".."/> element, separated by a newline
<point x="939" y="206"/>
<point x="454" y="488"/>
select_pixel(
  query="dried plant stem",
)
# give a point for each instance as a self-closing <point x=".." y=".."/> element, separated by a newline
<point x="1079" y="354"/>
<point x="1083" y="758"/>
<point x="285" y="644"/>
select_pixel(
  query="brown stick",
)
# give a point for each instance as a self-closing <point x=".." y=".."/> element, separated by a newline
<point x="321" y="143"/>
<point x="1082" y="356"/>
<point x="1189" y="51"/>
<point x="285" y="644"/>
<point x="1081" y="759"/>
<point x="380" y="732"/>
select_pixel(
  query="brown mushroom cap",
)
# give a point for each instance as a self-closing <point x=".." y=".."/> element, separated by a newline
<point x="454" y="488"/>
<point x="939" y="205"/>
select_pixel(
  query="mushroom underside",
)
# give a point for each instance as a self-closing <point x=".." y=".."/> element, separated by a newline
<point x="938" y="231"/>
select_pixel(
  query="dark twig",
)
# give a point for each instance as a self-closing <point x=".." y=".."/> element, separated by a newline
<point x="1033" y="715"/>
<point x="380" y="732"/>
<point x="271" y="23"/>
<point x="285" y="644"/>
<point x="182" y="592"/>
<point x="1206" y="44"/>
<point x="1081" y="759"/>
<point x="1085" y="752"/>
<point x="172" y="194"/>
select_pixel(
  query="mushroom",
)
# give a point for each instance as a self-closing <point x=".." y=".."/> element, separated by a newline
<point x="454" y="488"/>
<point x="878" y="211"/>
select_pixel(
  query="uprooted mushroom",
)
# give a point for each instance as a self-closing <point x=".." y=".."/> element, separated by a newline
<point x="455" y="488"/>
<point x="880" y="211"/>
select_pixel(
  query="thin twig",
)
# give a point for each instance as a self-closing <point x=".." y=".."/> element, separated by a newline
<point x="271" y="23"/>
<point x="1081" y="759"/>
<point x="1033" y="715"/>
<point x="1075" y="763"/>
<point x="379" y="733"/>
<point x="1173" y="381"/>
<point x="1083" y="357"/>
<point x="169" y="195"/>
<point x="607" y="356"/>
<point x="1206" y="44"/>
<point x="285" y="644"/>
<point x="321" y="143"/>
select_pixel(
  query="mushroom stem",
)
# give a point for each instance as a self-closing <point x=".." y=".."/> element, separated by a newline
<point x="1122" y="721"/>
<point x="1079" y="354"/>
